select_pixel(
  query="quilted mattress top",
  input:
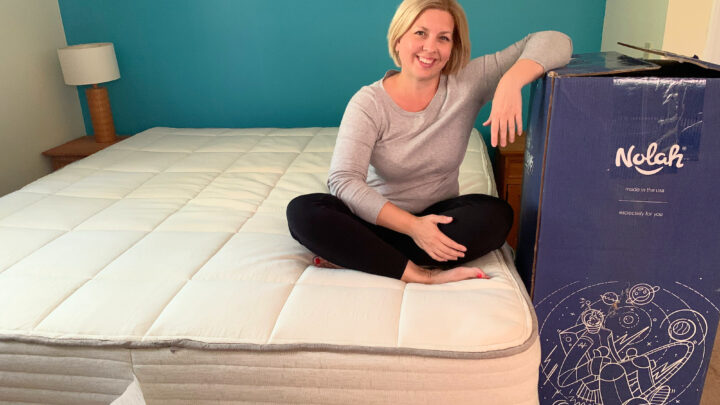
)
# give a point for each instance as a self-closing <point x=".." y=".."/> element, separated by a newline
<point x="178" y="237"/>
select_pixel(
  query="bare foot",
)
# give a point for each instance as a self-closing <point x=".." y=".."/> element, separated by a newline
<point x="416" y="274"/>
<point x="320" y="262"/>
<point x="455" y="274"/>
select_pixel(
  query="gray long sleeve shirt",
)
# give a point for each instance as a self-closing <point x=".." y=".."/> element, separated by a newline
<point x="412" y="159"/>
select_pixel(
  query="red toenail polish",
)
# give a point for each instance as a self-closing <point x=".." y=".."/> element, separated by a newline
<point x="316" y="260"/>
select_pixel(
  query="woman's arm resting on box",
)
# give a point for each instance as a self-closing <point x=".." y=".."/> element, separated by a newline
<point x="507" y="71"/>
<point x="506" y="114"/>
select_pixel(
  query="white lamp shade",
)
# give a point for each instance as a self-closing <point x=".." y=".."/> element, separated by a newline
<point x="89" y="63"/>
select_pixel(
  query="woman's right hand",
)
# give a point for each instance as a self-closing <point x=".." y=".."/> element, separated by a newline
<point x="426" y="234"/>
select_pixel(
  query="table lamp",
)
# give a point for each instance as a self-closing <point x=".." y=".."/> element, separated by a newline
<point x="93" y="64"/>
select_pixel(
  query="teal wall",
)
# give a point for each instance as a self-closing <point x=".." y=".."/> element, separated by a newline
<point x="279" y="63"/>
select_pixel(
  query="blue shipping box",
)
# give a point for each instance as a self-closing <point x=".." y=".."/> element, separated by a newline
<point x="620" y="231"/>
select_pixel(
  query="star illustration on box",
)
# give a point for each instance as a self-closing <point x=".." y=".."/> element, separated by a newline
<point x="621" y="344"/>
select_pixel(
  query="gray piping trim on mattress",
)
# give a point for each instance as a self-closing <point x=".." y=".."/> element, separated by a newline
<point x="309" y="347"/>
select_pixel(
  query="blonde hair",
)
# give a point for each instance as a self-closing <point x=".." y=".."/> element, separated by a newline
<point x="409" y="10"/>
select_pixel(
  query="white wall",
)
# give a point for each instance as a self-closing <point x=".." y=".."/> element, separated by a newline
<point x="712" y="49"/>
<point x="635" y="22"/>
<point x="686" y="27"/>
<point x="37" y="110"/>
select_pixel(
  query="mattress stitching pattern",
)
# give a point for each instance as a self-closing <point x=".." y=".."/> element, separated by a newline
<point x="40" y="320"/>
<point x="130" y="246"/>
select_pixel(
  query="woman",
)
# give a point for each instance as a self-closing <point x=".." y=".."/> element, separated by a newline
<point x="394" y="203"/>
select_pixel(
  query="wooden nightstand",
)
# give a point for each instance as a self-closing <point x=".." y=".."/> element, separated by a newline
<point x="77" y="149"/>
<point x="509" y="163"/>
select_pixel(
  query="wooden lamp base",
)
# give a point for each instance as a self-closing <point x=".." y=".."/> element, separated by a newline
<point x="100" y="114"/>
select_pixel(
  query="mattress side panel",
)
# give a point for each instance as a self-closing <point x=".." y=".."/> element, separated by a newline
<point x="35" y="373"/>
<point x="320" y="377"/>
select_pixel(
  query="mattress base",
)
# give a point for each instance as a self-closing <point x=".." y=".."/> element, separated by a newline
<point x="43" y="374"/>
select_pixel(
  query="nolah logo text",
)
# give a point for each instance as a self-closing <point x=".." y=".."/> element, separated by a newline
<point x="651" y="158"/>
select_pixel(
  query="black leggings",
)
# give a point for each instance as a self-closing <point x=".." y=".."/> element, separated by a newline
<point x="326" y="226"/>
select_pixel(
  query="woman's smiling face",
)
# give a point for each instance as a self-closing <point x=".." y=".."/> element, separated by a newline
<point x="425" y="48"/>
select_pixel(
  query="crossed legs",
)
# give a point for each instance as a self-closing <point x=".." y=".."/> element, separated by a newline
<point x="326" y="226"/>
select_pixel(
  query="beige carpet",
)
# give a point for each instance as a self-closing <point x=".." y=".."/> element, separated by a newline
<point x="711" y="393"/>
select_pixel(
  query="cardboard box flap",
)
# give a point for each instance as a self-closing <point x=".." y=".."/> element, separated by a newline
<point x="602" y="63"/>
<point x="675" y="57"/>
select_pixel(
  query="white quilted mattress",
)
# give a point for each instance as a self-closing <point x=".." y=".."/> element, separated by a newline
<point x="177" y="238"/>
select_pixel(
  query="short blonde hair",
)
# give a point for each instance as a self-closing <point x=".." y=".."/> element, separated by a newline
<point x="409" y="10"/>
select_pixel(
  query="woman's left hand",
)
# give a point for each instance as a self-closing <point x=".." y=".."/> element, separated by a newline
<point x="506" y="114"/>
